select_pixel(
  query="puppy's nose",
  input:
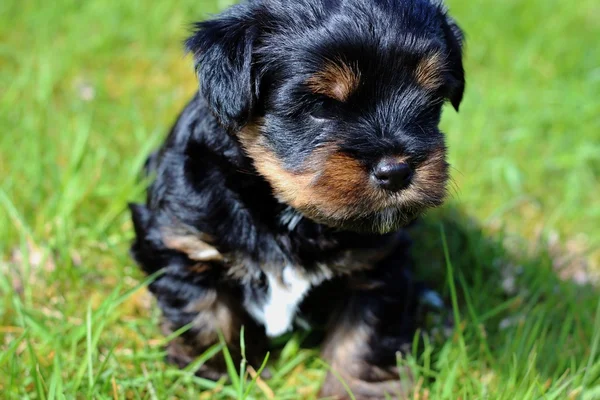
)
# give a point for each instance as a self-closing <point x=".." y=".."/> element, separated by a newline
<point x="391" y="174"/>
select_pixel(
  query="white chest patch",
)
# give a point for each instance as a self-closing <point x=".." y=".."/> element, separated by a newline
<point x="279" y="307"/>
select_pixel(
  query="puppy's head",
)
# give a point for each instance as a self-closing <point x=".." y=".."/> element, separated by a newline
<point x="337" y="102"/>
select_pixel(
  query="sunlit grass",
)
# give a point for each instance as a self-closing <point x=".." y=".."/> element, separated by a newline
<point x="87" y="89"/>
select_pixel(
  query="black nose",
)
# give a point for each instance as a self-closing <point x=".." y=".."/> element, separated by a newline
<point x="392" y="175"/>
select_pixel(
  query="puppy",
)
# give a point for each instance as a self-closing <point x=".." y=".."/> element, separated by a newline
<point x="280" y="193"/>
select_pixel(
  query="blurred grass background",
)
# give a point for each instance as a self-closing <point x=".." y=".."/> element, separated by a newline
<point x="87" y="89"/>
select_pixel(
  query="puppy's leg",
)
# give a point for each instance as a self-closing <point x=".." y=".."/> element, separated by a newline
<point x="208" y="312"/>
<point x="365" y="334"/>
<point x="192" y="292"/>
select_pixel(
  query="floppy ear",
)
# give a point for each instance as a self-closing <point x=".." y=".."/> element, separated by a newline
<point x="222" y="49"/>
<point x="454" y="38"/>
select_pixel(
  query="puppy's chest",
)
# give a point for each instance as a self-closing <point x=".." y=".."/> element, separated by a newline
<point x="273" y="295"/>
<point x="274" y="302"/>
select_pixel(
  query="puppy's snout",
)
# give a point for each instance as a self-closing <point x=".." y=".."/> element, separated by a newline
<point x="391" y="174"/>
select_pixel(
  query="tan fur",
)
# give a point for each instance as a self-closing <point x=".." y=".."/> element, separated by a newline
<point x="336" y="80"/>
<point x="195" y="246"/>
<point x="199" y="268"/>
<point x="429" y="71"/>
<point x="346" y="349"/>
<point x="216" y="311"/>
<point x="333" y="185"/>
<point x="430" y="177"/>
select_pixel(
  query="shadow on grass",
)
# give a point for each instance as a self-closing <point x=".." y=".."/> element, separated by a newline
<point x="523" y="323"/>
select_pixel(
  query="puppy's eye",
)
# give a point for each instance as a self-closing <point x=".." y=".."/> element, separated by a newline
<point x="322" y="111"/>
<point x="318" y="111"/>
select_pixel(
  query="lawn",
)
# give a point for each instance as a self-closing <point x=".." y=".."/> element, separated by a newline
<point x="88" y="88"/>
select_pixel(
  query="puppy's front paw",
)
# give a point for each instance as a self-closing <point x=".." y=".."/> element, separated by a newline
<point x="375" y="383"/>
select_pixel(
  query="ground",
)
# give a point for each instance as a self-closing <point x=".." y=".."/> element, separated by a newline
<point x="88" y="88"/>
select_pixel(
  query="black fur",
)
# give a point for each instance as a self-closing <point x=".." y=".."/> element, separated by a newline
<point x="253" y="62"/>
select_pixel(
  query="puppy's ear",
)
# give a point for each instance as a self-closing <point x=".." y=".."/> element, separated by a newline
<point x="223" y="49"/>
<point x="454" y="38"/>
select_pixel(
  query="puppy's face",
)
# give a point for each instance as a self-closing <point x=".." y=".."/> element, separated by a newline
<point x="342" y="104"/>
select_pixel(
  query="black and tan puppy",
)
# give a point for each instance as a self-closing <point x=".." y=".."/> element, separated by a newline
<point x="282" y="189"/>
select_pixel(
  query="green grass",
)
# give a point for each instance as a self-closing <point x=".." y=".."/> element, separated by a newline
<point x="87" y="89"/>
